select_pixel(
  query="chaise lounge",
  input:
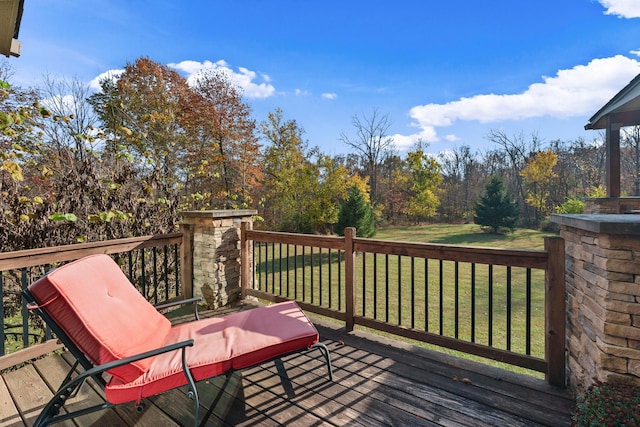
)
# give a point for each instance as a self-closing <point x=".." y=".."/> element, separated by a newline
<point x="110" y="328"/>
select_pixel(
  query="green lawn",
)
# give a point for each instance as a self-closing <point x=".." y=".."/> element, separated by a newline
<point x="415" y="297"/>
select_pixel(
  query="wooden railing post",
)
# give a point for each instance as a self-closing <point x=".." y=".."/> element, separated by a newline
<point x="350" y="277"/>
<point x="186" y="261"/>
<point x="555" y="312"/>
<point x="245" y="259"/>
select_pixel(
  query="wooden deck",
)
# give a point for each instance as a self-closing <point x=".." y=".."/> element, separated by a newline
<point x="377" y="382"/>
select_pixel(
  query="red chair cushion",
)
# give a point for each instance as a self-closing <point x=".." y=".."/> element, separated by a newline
<point x="235" y="341"/>
<point x="102" y="312"/>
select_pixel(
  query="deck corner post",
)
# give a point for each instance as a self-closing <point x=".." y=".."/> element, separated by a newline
<point x="555" y="312"/>
<point x="186" y="260"/>
<point x="350" y="277"/>
<point x="245" y="258"/>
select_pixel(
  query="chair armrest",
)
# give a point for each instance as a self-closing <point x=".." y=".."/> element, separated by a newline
<point x="96" y="370"/>
<point x="193" y="301"/>
<point x="120" y="362"/>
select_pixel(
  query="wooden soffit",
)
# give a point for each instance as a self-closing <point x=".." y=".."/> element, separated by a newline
<point x="10" y="17"/>
<point x="623" y="109"/>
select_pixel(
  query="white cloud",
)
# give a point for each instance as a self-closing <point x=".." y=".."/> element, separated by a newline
<point x="329" y="95"/>
<point x="300" y="92"/>
<point x="572" y="92"/>
<point x="110" y="74"/>
<point x="622" y="8"/>
<point x="252" y="85"/>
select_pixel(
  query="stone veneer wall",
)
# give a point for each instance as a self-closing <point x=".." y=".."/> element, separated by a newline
<point x="603" y="297"/>
<point x="612" y="205"/>
<point x="216" y="253"/>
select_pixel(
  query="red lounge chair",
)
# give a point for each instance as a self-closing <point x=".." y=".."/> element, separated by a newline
<point x="110" y="328"/>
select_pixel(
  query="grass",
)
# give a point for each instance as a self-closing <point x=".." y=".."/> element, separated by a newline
<point x="415" y="292"/>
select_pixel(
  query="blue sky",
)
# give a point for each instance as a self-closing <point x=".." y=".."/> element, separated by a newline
<point x="445" y="71"/>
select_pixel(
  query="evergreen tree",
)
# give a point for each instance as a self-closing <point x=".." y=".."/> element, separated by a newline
<point x="495" y="208"/>
<point x="356" y="212"/>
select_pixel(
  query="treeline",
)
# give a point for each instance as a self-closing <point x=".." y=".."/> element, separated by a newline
<point x="79" y="165"/>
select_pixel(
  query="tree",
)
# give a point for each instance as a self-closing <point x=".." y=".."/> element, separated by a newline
<point x="539" y="178"/>
<point x="371" y="144"/>
<point x="224" y="151"/>
<point x="356" y="212"/>
<point x="425" y="177"/>
<point x="495" y="208"/>
<point x="517" y="149"/>
<point x="459" y="183"/>
<point x="286" y="172"/>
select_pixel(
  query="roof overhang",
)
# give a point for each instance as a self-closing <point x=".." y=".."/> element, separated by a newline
<point x="10" y="17"/>
<point x="623" y="109"/>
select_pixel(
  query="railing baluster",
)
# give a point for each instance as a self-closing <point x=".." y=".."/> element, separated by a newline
<point x="473" y="302"/>
<point x="386" y="293"/>
<point x="375" y="286"/>
<point x="426" y="294"/>
<point x="273" y="268"/>
<point x="441" y="320"/>
<point x="166" y="272"/>
<point x="2" y="336"/>
<point x="339" y="279"/>
<point x="24" y="281"/>
<point x="456" y="300"/>
<point x="287" y="266"/>
<point x="130" y="259"/>
<point x="330" y="282"/>
<point x="154" y="251"/>
<point x="490" y="303"/>
<point x="280" y="269"/>
<point x="413" y="293"/>
<point x="364" y="283"/>
<point x="320" y="277"/>
<point x="144" y="275"/>
<point x="176" y="257"/>
<point x="304" y="274"/>
<point x="509" y="308"/>
<point x="295" y="272"/>
<point x="528" y="315"/>
<point x="312" y="274"/>
<point x="399" y="290"/>
<point x="257" y="268"/>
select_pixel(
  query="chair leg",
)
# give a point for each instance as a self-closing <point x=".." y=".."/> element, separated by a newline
<point x="193" y="392"/>
<point x="327" y="357"/>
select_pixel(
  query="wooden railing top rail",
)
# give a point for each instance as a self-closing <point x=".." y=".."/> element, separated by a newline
<point x="330" y="242"/>
<point x="476" y="254"/>
<point x="479" y="254"/>
<point x="40" y="256"/>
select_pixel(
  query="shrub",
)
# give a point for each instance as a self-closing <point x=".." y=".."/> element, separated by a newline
<point x="608" y="404"/>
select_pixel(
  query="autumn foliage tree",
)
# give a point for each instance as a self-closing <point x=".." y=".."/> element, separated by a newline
<point x="539" y="178"/>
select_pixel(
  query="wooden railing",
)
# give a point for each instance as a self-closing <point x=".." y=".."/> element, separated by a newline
<point x="503" y="304"/>
<point x="158" y="266"/>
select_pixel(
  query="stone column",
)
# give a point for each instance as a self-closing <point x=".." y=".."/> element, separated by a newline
<point x="603" y="297"/>
<point x="216" y="253"/>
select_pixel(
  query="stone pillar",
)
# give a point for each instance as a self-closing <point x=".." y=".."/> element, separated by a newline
<point x="216" y="253"/>
<point x="602" y="272"/>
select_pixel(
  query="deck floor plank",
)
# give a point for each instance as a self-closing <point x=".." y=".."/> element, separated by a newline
<point x="53" y="370"/>
<point x="30" y="393"/>
<point x="377" y="382"/>
<point x="9" y="415"/>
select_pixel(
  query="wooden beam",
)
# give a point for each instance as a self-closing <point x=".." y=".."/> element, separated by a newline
<point x="555" y="312"/>
<point x="612" y="175"/>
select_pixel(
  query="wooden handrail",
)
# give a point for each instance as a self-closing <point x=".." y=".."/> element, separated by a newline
<point x="41" y="256"/>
